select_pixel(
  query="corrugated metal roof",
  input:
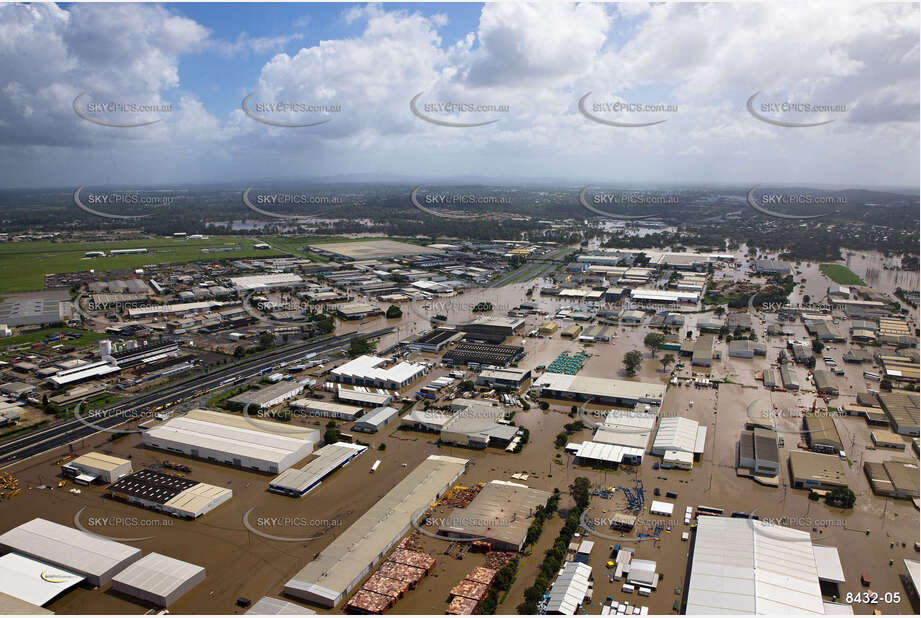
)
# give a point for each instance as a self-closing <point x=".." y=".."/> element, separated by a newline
<point x="158" y="574"/>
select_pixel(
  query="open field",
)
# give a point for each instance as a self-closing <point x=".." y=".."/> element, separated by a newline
<point x="23" y="266"/>
<point x="841" y="274"/>
<point x="89" y="337"/>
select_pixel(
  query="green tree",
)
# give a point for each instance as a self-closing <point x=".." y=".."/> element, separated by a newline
<point x="667" y="360"/>
<point x="394" y="312"/>
<point x="561" y="439"/>
<point x="266" y="339"/>
<point x="632" y="361"/>
<point x="841" y="497"/>
<point x="653" y="341"/>
<point x="359" y="346"/>
<point x="580" y="490"/>
<point x="331" y="435"/>
<point x="239" y="352"/>
<point x="817" y="346"/>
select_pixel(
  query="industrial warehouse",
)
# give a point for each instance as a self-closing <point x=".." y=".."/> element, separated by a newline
<point x="337" y="569"/>
<point x="158" y="579"/>
<point x="327" y="460"/>
<point x="368" y="370"/>
<point x="94" y="557"/>
<point x="500" y="514"/>
<point x="597" y="390"/>
<point x="173" y="495"/>
<point x="259" y="445"/>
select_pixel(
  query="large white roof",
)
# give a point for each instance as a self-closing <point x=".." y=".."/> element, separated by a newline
<point x="607" y="452"/>
<point x="327" y="460"/>
<point x="745" y="566"/>
<point x="33" y="581"/>
<point x="249" y="441"/>
<point x="72" y="549"/>
<point x="680" y="434"/>
<point x="368" y="367"/>
<point x="644" y="392"/>
<point x="158" y="574"/>
<point x="569" y="589"/>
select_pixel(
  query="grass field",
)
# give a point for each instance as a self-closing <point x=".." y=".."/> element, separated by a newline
<point x="841" y="275"/>
<point x="23" y="265"/>
<point x="88" y="338"/>
<point x="295" y="244"/>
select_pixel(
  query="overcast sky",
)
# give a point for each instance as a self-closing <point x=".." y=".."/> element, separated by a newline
<point x="364" y="63"/>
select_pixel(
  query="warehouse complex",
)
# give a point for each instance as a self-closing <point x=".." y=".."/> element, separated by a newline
<point x="258" y="445"/>
<point x="758" y="454"/>
<point x="368" y="370"/>
<point x="679" y="442"/>
<point x="327" y="460"/>
<point x="500" y="514"/>
<point x="173" y="495"/>
<point x="268" y="396"/>
<point x="816" y="471"/>
<point x="597" y="390"/>
<point x="95" y="558"/>
<point x="338" y="568"/>
<point x="902" y="409"/>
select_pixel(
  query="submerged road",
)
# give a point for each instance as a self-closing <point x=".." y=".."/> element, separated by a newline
<point x="65" y="432"/>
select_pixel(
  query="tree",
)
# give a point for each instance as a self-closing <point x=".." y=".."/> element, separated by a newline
<point x="817" y="346"/>
<point x="806" y="299"/>
<point x="667" y="360"/>
<point x="239" y="352"/>
<point x="654" y="341"/>
<point x="632" y="361"/>
<point x="331" y="435"/>
<point x="359" y="346"/>
<point x="266" y="339"/>
<point x="841" y="497"/>
<point x="885" y="385"/>
<point x="580" y="490"/>
<point x="394" y="312"/>
<point x="561" y="439"/>
<point x="544" y="405"/>
<point x="466" y="385"/>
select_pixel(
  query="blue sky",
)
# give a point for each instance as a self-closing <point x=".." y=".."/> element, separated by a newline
<point x="668" y="83"/>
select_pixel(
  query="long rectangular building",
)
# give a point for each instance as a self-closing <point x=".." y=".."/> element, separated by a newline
<point x="95" y="558"/>
<point x="601" y="390"/>
<point x="343" y="564"/>
<point x="239" y="441"/>
<point x="174" y="495"/>
<point x="328" y="459"/>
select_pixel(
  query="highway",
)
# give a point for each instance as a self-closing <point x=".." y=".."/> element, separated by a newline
<point x="65" y="432"/>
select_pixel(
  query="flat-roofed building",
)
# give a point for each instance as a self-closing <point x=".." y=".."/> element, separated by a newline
<point x="902" y="409"/>
<point x="174" y="495"/>
<point x="816" y="471"/>
<point x="771" y="267"/>
<point x="825" y="383"/>
<point x="368" y="370"/>
<point x="743" y="348"/>
<point x="598" y="390"/>
<point x="748" y="567"/>
<point x="297" y="483"/>
<point x="475" y="424"/>
<point x="758" y="452"/>
<point x="266" y="282"/>
<point x="357" y="311"/>
<point x="788" y="377"/>
<point x="91" y="371"/>
<point x="14" y="606"/>
<point x="270" y="606"/>
<point x="503" y="378"/>
<point x="821" y="433"/>
<point x="375" y="420"/>
<point x="366" y="398"/>
<point x="493" y="326"/>
<point x="97" y="466"/>
<point x="470" y="352"/>
<point x="500" y="513"/>
<point x="568" y="591"/>
<point x="677" y="434"/>
<point x="897" y="478"/>
<point x="32" y="581"/>
<point x="703" y="351"/>
<point x="899" y="368"/>
<point x="327" y="409"/>
<point x="94" y="557"/>
<point x="339" y="568"/>
<point x="239" y="441"/>
<point x="434" y="341"/>
<point x="268" y="396"/>
<point x="158" y="579"/>
<point x="887" y="439"/>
